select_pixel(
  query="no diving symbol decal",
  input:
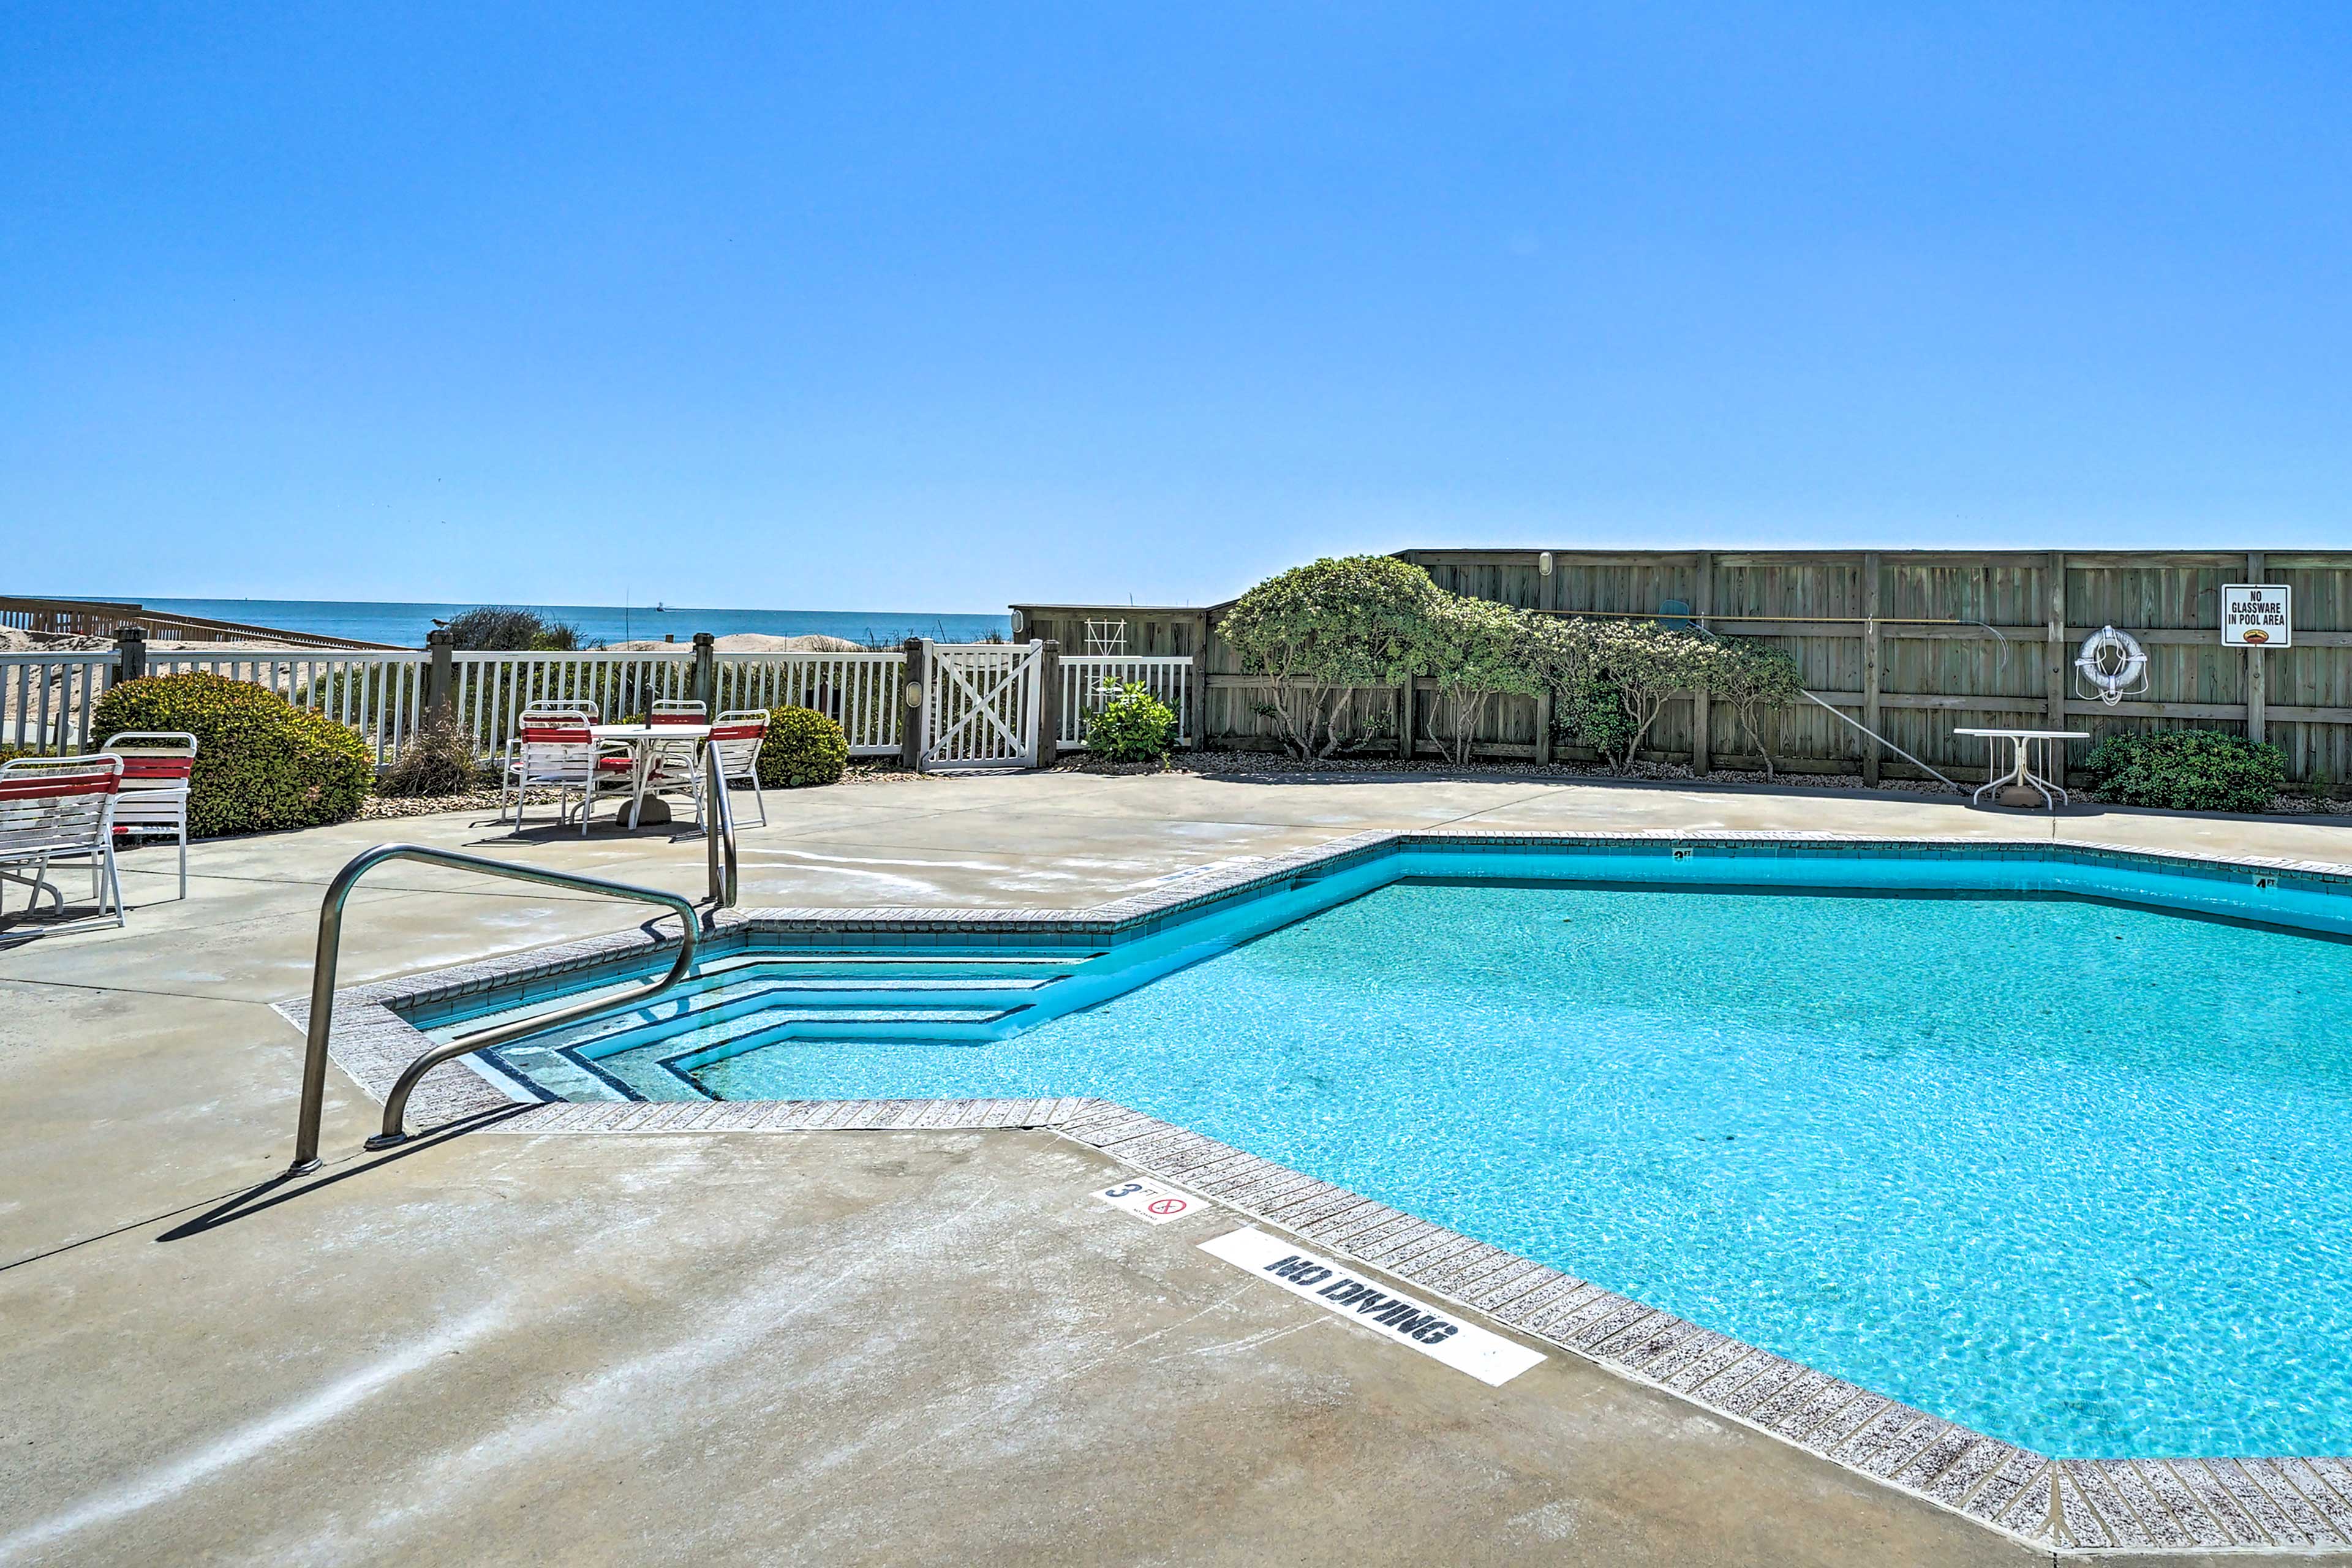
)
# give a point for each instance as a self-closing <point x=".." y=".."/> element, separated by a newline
<point x="1147" y="1201"/>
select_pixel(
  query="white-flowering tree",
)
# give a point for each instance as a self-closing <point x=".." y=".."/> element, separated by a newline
<point x="1318" y="634"/>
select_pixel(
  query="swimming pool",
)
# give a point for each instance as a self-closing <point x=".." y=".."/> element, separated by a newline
<point x="2046" y="1145"/>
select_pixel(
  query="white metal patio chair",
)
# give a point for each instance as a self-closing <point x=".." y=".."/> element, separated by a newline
<point x="61" y="808"/>
<point x="556" y="751"/>
<point x="539" y="714"/>
<point x="680" y="759"/>
<point x="735" y="741"/>
<point x="158" y="768"/>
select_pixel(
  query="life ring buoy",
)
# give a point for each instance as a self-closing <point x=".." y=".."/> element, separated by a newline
<point x="2113" y="664"/>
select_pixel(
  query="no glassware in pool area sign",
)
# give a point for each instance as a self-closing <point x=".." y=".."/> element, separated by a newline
<point x="1440" y="1335"/>
<point x="2257" y="614"/>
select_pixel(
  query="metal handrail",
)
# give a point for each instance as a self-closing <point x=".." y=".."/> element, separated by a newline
<point x="1874" y="734"/>
<point x="719" y="813"/>
<point x="322" y="984"/>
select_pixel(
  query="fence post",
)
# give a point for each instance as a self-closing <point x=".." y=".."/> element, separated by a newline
<point x="1543" y="728"/>
<point x="130" y="654"/>
<point x="1196" y="701"/>
<point x="1049" y="703"/>
<point x="913" y="696"/>
<point x="706" y="673"/>
<point x="2257" y="697"/>
<point x="440" y="673"/>
<point x="1702" y="702"/>
<point x="1873" y="718"/>
<point x="2059" y="668"/>
<point x="1405" y="721"/>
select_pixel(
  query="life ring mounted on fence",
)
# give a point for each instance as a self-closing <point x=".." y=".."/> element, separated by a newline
<point x="2113" y="664"/>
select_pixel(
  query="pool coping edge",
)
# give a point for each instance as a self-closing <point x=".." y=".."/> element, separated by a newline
<point x="2219" y="1504"/>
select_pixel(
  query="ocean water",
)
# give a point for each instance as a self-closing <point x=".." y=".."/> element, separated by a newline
<point x="404" y="625"/>
<point x="2072" y="1174"/>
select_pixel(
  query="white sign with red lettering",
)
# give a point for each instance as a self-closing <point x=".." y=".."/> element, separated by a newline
<point x="1442" y="1334"/>
<point x="1149" y="1201"/>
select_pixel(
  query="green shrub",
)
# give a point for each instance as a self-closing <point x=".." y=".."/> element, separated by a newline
<point x="1589" y="714"/>
<point x="261" y="762"/>
<point x="2186" y="770"/>
<point x="1132" y="727"/>
<point x="803" y="747"/>
<point x="10" y="753"/>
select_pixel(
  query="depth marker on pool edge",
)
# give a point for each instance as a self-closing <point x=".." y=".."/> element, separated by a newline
<point x="1441" y="1336"/>
<point x="1147" y="1201"/>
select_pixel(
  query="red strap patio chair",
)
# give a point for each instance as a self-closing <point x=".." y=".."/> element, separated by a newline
<point x="61" y="808"/>
<point x="157" y="769"/>
<point x="735" y="741"/>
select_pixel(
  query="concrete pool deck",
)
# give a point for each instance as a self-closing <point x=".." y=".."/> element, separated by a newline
<point x="873" y="1347"/>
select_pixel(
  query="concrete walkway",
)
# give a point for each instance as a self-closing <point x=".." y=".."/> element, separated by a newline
<point x="804" y="1348"/>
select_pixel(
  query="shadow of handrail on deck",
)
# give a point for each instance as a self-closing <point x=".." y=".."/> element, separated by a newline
<point x="284" y="1188"/>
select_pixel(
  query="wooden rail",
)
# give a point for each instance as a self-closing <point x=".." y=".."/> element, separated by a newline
<point x="101" y="618"/>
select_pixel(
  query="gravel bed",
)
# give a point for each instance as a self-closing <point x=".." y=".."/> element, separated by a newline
<point x="1269" y="765"/>
<point x="1274" y="764"/>
<point x="381" y="807"/>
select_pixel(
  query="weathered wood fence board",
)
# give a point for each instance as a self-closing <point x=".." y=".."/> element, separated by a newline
<point x="1911" y="643"/>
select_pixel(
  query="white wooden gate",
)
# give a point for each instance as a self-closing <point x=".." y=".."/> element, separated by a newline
<point x="980" y="705"/>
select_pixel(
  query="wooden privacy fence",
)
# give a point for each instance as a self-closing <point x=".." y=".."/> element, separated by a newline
<point x="1910" y="643"/>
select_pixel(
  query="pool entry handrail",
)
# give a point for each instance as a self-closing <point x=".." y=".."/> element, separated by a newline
<point x="322" y="983"/>
<point x="718" y="831"/>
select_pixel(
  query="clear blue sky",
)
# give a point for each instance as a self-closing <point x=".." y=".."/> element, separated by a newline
<point x="932" y="308"/>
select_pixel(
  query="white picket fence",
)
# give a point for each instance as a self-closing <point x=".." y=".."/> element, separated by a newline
<point x="380" y="695"/>
<point x="492" y="689"/>
<point x="1088" y="681"/>
<point x="859" y="691"/>
<point x="46" y="699"/>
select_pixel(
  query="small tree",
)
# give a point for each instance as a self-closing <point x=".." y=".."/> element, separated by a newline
<point x="1317" y="633"/>
<point x="1645" y="665"/>
<point x="1477" y="651"/>
<point x="1752" y="679"/>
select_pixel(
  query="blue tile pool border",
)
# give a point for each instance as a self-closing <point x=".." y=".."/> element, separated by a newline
<point x="2066" y="1506"/>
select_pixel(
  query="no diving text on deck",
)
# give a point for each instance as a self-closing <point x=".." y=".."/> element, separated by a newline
<point x="1441" y="1336"/>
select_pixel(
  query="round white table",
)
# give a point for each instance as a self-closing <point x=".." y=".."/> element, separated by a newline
<point x="2022" y="776"/>
<point x="645" y="744"/>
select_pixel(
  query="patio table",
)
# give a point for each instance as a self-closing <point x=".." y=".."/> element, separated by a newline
<point x="645" y="744"/>
<point x="2022" y="776"/>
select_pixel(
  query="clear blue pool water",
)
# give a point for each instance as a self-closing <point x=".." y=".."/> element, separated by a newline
<point x="2077" y="1174"/>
